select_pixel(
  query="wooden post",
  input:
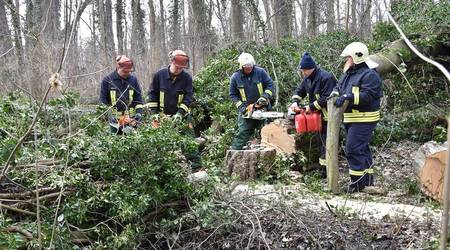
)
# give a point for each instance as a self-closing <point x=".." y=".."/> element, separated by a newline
<point x="444" y="219"/>
<point x="332" y="144"/>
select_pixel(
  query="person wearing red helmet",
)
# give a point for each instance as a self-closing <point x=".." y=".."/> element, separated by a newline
<point x="171" y="94"/>
<point x="121" y="90"/>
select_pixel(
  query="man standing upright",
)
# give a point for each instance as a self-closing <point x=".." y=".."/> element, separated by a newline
<point x="249" y="86"/>
<point x="317" y="84"/>
<point x="121" y="90"/>
<point x="361" y="85"/>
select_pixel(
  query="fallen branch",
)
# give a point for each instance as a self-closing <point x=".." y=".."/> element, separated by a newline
<point x="17" y="210"/>
<point x="26" y="194"/>
<point x="16" y="229"/>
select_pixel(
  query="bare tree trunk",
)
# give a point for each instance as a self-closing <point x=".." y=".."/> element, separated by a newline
<point x="347" y="17"/>
<point x="155" y="42"/>
<point x="260" y="29"/>
<point x="303" y="9"/>
<point x="105" y="25"/>
<point x="331" y="22"/>
<point x="312" y="18"/>
<point x="200" y="31"/>
<point x="120" y="15"/>
<point x="176" y="33"/>
<point x="365" y="19"/>
<point x="283" y="18"/>
<point x="5" y="33"/>
<point x="138" y="47"/>
<point x="338" y="14"/>
<point x="237" y="21"/>
<point x="162" y="27"/>
<point x="270" y="31"/>
<point x="354" y="24"/>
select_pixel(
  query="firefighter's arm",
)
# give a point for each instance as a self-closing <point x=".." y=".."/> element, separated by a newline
<point x="327" y="86"/>
<point x="269" y="88"/>
<point x="104" y="93"/>
<point x="299" y="93"/>
<point x="234" y="94"/>
<point x="137" y="98"/>
<point x="369" y="91"/>
<point x="153" y="95"/>
<point x="187" y="99"/>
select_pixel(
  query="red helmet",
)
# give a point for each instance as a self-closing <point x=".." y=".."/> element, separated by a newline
<point x="179" y="58"/>
<point x="124" y="62"/>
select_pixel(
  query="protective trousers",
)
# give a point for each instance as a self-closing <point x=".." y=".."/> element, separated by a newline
<point x="323" y="140"/>
<point x="246" y="129"/>
<point x="358" y="153"/>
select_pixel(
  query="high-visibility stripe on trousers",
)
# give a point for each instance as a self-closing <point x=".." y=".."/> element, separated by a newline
<point x="358" y="153"/>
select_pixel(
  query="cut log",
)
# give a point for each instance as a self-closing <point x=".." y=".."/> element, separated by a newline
<point x="245" y="163"/>
<point x="280" y="135"/>
<point x="430" y="162"/>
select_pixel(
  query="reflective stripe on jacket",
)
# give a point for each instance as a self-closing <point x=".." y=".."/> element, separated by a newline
<point x="246" y="89"/>
<point x="366" y="86"/>
<point x="170" y="95"/>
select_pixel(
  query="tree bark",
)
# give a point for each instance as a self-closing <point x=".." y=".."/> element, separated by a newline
<point x="353" y="24"/>
<point x="105" y="25"/>
<point x="365" y="19"/>
<point x="331" y="22"/>
<point x="120" y="15"/>
<point x="5" y="33"/>
<point x="237" y="21"/>
<point x="138" y="46"/>
<point x="312" y="18"/>
<point x="283" y="18"/>
<point x="245" y="163"/>
<point x="176" y="31"/>
<point x="162" y="28"/>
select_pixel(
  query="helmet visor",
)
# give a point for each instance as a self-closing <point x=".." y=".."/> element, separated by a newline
<point x="181" y="61"/>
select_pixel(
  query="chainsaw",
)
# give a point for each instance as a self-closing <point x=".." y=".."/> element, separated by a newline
<point x="258" y="112"/>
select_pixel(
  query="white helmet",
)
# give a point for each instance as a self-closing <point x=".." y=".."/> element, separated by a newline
<point x="359" y="53"/>
<point x="245" y="59"/>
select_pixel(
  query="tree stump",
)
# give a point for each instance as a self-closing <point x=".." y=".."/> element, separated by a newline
<point x="430" y="162"/>
<point x="278" y="135"/>
<point x="245" y="163"/>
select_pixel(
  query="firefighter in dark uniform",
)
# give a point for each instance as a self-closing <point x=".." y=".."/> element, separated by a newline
<point x="361" y="86"/>
<point x="121" y="90"/>
<point x="250" y="85"/>
<point x="317" y="84"/>
<point x="171" y="94"/>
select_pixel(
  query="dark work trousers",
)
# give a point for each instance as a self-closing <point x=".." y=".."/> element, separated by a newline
<point x="246" y="129"/>
<point x="323" y="140"/>
<point x="358" y="153"/>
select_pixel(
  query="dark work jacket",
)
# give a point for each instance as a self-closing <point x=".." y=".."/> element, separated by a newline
<point x="318" y="86"/>
<point x="246" y="89"/>
<point x="366" y="86"/>
<point x="125" y="89"/>
<point x="170" y="95"/>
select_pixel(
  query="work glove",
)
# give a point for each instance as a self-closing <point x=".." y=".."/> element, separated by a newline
<point x="243" y="109"/>
<point x="154" y="117"/>
<point x="178" y="117"/>
<point x="340" y="101"/>
<point x="138" y="117"/>
<point x="333" y="94"/>
<point x="262" y="101"/>
<point x="293" y="106"/>
<point x="307" y="109"/>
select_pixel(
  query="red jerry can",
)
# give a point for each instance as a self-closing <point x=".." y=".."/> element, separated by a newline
<point x="313" y="122"/>
<point x="300" y="122"/>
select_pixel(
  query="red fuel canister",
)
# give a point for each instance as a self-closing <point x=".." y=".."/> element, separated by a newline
<point x="313" y="122"/>
<point x="300" y="122"/>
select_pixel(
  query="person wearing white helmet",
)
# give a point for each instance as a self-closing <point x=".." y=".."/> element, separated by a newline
<point x="249" y="86"/>
<point x="121" y="90"/>
<point x="361" y="86"/>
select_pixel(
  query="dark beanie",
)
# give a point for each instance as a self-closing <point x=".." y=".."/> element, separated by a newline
<point x="307" y="62"/>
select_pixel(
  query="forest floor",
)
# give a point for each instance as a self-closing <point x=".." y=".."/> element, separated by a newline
<point x="304" y="216"/>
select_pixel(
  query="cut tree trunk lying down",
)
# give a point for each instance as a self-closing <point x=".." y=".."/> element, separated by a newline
<point x="430" y="162"/>
<point x="244" y="163"/>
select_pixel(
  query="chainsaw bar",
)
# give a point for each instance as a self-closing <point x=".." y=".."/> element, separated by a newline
<point x="260" y="115"/>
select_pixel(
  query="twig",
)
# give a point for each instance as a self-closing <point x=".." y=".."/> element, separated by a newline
<point x="18" y="210"/>
<point x="329" y="209"/>
<point x="25" y="194"/>
<point x="259" y="225"/>
<point x="4" y="54"/>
